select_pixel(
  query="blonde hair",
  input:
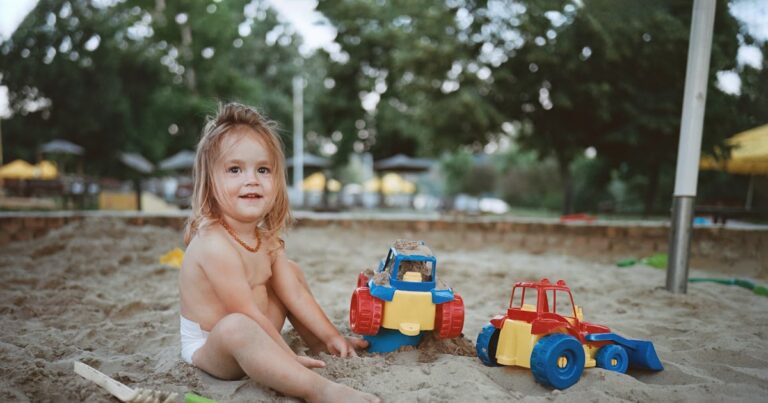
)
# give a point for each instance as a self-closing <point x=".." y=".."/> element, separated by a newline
<point x="205" y="208"/>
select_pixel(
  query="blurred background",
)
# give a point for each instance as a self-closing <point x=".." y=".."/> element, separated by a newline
<point x="527" y="108"/>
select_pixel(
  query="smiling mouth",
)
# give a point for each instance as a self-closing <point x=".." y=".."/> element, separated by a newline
<point x="251" y="196"/>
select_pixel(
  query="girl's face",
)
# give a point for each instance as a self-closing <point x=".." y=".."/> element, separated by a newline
<point x="243" y="178"/>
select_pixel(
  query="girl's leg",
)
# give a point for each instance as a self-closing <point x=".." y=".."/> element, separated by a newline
<point x="237" y="345"/>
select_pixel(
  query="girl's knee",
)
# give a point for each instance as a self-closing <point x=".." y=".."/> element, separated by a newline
<point x="237" y="328"/>
<point x="233" y="321"/>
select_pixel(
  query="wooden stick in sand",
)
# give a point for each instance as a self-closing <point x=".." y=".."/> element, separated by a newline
<point x="120" y="391"/>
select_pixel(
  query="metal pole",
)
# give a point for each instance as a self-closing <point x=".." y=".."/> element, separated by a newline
<point x="298" y="139"/>
<point x="689" y="150"/>
<point x="750" y="193"/>
<point x="1" y="141"/>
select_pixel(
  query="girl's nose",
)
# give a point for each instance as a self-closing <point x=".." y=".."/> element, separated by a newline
<point x="253" y="180"/>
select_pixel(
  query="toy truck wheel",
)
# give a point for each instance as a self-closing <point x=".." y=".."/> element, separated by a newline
<point x="449" y="318"/>
<point x="613" y="358"/>
<point x="487" y="342"/>
<point x="365" y="312"/>
<point x="557" y="361"/>
<point x="362" y="280"/>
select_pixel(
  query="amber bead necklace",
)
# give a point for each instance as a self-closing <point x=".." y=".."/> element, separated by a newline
<point x="240" y="241"/>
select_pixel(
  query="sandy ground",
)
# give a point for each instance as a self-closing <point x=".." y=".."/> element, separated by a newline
<point x="94" y="291"/>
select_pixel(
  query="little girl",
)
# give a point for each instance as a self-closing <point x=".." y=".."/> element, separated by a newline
<point x="236" y="284"/>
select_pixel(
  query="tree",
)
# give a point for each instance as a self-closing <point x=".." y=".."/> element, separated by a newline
<point x="608" y="75"/>
<point x="140" y="75"/>
<point x="410" y="67"/>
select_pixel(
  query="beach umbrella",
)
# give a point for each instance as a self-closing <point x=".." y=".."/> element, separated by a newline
<point x="47" y="170"/>
<point x="749" y="154"/>
<point x="136" y="162"/>
<point x="61" y="147"/>
<point x="317" y="183"/>
<point x="183" y="159"/>
<point x="391" y="183"/>
<point x="403" y="164"/>
<point x="18" y="169"/>
<point x="311" y="161"/>
<point x="21" y="169"/>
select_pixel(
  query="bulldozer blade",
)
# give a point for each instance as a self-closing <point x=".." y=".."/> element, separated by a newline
<point x="641" y="353"/>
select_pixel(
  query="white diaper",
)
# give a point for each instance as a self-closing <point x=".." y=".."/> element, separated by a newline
<point x="192" y="338"/>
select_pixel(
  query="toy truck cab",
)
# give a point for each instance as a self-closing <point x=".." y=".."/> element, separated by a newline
<point x="548" y="308"/>
<point x="404" y="295"/>
<point x="545" y="331"/>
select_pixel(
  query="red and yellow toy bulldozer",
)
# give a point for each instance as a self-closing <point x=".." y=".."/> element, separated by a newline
<point x="545" y="331"/>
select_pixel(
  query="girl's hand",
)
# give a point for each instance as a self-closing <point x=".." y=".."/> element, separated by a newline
<point x="309" y="362"/>
<point x="345" y="346"/>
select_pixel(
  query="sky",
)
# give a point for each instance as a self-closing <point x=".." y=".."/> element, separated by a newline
<point x="308" y="22"/>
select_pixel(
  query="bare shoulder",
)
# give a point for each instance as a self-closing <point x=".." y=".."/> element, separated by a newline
<point x="211" y="247"/>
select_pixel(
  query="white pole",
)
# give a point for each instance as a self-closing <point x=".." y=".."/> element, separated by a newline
<point x="689" y="150"/>
<point x="298" y="139"/>
<point x="750" y="193"/>
<point x="1" y="142"/>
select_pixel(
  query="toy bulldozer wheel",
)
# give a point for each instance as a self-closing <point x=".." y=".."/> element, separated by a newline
<point x="365" y="312"/>
<point x="557" y="361"/>
<point x="487" y="344"/>
<point x="449" y="318"/>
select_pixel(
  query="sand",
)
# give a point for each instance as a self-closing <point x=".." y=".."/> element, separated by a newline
<point x="94" y="291"/>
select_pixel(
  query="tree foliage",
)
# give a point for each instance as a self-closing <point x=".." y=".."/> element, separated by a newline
<point x="556" y="76"/>
<point x="140" y="75"/>
<point x="410" y="58"/>
<point x="610" y="75"/>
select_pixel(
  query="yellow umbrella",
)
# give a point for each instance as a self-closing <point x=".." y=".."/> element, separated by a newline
<point x="314" y="182"/>
<point x="18" y="169"/>
<point x="394" y="183"/>
<point x="749" y="155"/>
<point x="47" y="170"/>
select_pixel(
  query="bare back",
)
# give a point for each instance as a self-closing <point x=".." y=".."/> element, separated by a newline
<point x="214" y="268"/>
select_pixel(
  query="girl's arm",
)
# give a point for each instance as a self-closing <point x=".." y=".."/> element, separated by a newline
<point x="302" y="304"/>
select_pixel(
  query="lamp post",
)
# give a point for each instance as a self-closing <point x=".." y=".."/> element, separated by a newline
<point x="298" y="138"/>
<point x="689" y="149"/>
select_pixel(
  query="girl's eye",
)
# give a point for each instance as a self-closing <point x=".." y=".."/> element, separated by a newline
<point x="264" y="170"/>
<point x="234" y="170"/>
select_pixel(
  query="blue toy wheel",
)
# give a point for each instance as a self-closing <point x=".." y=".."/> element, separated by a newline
<point x="557" y="361"/>
<point x="613" y="357"/>
<point x="487" y="341"/>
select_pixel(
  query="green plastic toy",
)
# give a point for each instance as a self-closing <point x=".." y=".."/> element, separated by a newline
<point x="657" y="261"/>
<point x="193" y="398"/>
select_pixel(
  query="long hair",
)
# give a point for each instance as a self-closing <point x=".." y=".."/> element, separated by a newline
<point x="205" y="207"/>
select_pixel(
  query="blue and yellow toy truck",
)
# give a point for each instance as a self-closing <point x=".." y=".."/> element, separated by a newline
<point x="402" y="298"/>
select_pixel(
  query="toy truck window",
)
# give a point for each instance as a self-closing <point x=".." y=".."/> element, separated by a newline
<point x="524" y="297"/>
<point x="388" y="267"/>
<point x="551" y="301"/>
<point x="563" y="304"/>
<point x="421" y="267"/>
<point x="388" y="262"/>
